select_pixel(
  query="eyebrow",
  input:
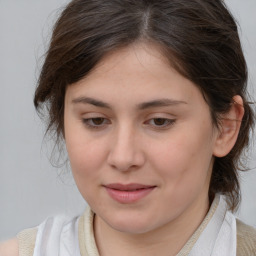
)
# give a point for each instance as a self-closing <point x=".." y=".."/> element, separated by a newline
<point x="87" y="100"/>
<point x="165" y="102"/>
<point x="160" y="103"/>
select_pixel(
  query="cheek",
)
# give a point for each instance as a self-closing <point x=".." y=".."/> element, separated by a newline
<point x="84" y="157"/>
<point x="85" y="153"/>
<point x="185" y="170"/>
<point x="184" y="158"/>
<point x="86" y="165"/>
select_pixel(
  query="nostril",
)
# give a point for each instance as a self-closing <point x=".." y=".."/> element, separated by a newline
<point x="123" y="162"/>
<point x="125" y="153"/>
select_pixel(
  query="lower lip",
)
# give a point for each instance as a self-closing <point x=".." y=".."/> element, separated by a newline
<point x="127" y="197"/>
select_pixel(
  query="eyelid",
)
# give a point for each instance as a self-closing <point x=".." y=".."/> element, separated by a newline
<point x="88" y="122"/>
<point x="161" y="115"/>
<point x="166" y="118"/>
<point x="167" y="123"/>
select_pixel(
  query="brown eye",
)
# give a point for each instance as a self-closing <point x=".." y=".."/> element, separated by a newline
<point x="160" y="121"/>
<point x="98" y="120"/>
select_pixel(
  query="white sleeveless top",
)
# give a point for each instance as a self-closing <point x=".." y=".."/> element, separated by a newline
<point x="58" y="236"/>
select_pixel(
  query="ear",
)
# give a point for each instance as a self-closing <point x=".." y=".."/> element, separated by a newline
<point x="229" y="128"/>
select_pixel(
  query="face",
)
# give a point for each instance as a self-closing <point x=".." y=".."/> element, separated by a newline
<point x="140" y="141"/>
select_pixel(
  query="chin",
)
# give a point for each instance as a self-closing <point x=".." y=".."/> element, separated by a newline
<point x="131" y="225"/>
<point x="133" y="228"/>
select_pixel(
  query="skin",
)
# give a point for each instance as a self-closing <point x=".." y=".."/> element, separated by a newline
<point x="9" y="248"/>
<point x="117" y="136"/>
<point x="170" y="147"/>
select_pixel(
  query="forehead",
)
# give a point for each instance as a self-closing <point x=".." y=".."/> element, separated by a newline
<point x="139" y="71"/>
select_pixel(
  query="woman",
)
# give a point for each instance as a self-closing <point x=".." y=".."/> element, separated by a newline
<point x="150" y="99"/>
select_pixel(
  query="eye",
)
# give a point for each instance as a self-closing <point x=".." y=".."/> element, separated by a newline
<point x="96" y="122"/>
<point x="160" y="122"/>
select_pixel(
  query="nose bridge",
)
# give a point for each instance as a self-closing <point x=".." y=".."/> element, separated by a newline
<point x="125" y="151"/>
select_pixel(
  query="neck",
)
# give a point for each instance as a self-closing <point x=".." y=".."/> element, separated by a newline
<point x="166" y="240"/>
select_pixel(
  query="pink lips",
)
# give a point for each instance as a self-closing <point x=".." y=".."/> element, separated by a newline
<point x="129" y="193"/>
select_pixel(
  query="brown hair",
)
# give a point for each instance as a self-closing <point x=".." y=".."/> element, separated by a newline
<point x="199" y="37"/>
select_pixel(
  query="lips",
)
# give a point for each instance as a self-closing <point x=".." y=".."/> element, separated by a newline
<point x="128" y="187"/>
<point x="128" y="193"/>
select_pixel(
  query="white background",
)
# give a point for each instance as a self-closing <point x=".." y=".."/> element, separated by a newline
<point x="30" y="188"/>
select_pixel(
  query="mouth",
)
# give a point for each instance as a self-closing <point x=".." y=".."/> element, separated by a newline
<point x="128" y="193"/>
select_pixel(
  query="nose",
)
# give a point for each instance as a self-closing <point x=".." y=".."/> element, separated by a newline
<point x="126" y="152"/>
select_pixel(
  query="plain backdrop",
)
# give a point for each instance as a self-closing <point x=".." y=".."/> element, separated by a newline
<point x="31" y="189"/>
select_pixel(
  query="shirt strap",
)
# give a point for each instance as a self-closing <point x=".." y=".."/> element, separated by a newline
<point x="26" y="241"/>
<point x="246" y="239"/>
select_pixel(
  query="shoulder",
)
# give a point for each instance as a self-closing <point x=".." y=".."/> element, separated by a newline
<point x="60" y="228"/>
<point x="22" y="245"/>
<point x="246" y="239"/>
<point x="9" y="247"/>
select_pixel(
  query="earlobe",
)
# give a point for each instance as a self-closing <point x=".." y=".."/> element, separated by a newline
<point x="230" y="124"/>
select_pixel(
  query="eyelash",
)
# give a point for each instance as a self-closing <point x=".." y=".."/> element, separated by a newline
<point x="167" y="122"/>
<point x="89" y="122"/>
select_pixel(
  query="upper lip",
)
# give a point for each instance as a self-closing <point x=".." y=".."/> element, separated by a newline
<point x="128" y="187"/>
